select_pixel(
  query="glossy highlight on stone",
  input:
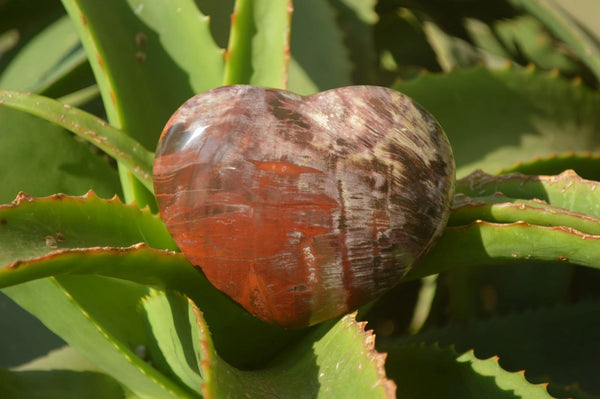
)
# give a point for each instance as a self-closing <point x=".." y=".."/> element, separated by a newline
<point x="303" y="208"/>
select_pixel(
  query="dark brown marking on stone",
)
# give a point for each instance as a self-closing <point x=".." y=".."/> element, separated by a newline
<point x="295" y="126"/>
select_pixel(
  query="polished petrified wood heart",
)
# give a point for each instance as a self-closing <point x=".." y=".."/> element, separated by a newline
<point x="303" y="208"/>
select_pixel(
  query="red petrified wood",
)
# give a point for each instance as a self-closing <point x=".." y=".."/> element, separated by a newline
<point x="303" y="208"/>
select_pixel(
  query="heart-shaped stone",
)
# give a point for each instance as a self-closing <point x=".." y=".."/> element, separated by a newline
<point x="303" y="208"/>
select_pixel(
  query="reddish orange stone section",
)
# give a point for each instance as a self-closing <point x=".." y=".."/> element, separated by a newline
<point x="303" y="208"/>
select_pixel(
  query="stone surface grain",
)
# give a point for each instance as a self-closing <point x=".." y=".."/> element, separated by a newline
<point x="303" y="208"/>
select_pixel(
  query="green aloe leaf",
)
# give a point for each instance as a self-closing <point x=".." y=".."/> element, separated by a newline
<point x="46" y="237"/>
<point x="165" y="55"/>
<point x="566" y="29"/>
<point x="586" y="165"/>
<point x="21" y="21"/>
<point x="67" y="384"/>
<point x="557" y="346"/>
<point x="556" y="240"/>
<point x="31" y="228"/>
<point x="111" y="140"/>
<point x="403" y="60"/>
<point x="35" y="340"/>
<point x="29" y="145"/>
<point x="525" y="39"/>
<point x="219" y="12"/>
<point x="168" y="55"/>
<point x="177" y="338"/>
<point x="500" y="209"/>
<point x="356" y="19"/>
<point x="483" y="244"/>
<point x="163" y="269"/>
<point x="60" y="311"/>
<point x="62" y="358"/>
<point x="457" y="375"/>
<point x="258" y="51"/>
<point x="566" y="190"/>
<point x="51" y="54"/>
<point x="335" y="360"/>
<point x="565" y="201"/>
<point x="80" y="97"/>
<point x="495" y="118"/>
<point x="453" y="52"/>
<point x="320" y="59"/>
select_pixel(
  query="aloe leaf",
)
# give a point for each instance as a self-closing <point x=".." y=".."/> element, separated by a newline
<point x="145" y="78"/>
<point x="320" y="60"/>
<point x="556" y="346"/>
<point x="484" y="36"/>
<point x="165" y="55"/>
<point x="400" y="60"/>
<point x="60" y="312"/>
<point x="258" y="51"/>
<point x="29" y="145"/>
<point x="26" y="19"/>
<point x="219" y="12"/>
<point x="62" y="358"/>
<point x="46" y="237"/>
<point x="457" y="375"/>
<point x="111" y="140"/>
<point x="453" y="52"/>
<point x="527" y="40"/>
<point x="500" y="117"/>
<point x="522" y="39"/>
<point x="564" y="201"/>
<point x="586" y="165"/>
<point x="357" y="19"/>
<point x="49" y="55"/>
<point x="482" y="244"/>
<point x="566" y="190"/>
<point x="499" y="209"/>
<point x="32" y="227"/>
<point x="140" y="264"/>
<point x="67" y="384"/>
<point x="52" y="62"/>
<point x="565" y="193"/>
<point x="80" y="97"/>
<point x="335" y="360"/>
<point x="8" y="41"/>
<point x="35" y="340"/>
<point x="566" y="29"/>
<point x="164" y="269"/>
<point x="173" y="325"/>
<point x="66" y="358"/>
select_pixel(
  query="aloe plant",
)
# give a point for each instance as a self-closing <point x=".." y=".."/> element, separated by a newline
<point x="506" y="304"/>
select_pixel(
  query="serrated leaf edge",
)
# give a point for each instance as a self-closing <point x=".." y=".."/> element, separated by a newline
<point x="23" y="199"/>
<point x="377" y="358"/>
<point x="523" y="207"/>
<point x="469" y="356"/>
<point x="529" y="312"/>
<point x="479" y="179"/>
<point x="508" y="66"/>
